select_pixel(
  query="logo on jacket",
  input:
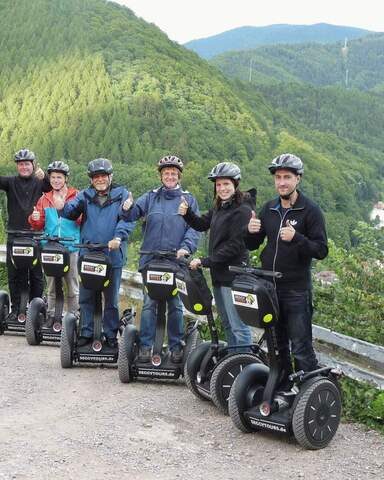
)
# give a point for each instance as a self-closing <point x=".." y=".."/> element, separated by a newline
<point x="293" y="222"/>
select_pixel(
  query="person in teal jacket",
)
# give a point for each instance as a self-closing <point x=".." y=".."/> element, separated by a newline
<point x="100" y="207"/>
<point x="163" y="229"/>
<point x="45" y="216"/>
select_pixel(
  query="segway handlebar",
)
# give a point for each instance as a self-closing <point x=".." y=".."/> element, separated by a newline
<point x="55" y="238"/>
<point x="36" y="234"/>
<point x="92" y="246"/>
<point x="255" y="271"/>
<point x="159" y="253"/>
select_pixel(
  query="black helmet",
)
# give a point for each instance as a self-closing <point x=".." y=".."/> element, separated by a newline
<point x="100" y="165"/>
<point x="170" y="161"/>
<point x="225" y="170"/>
<point x="25" y="155"/>
<point x="287" y="161"/>
<point x="58" y="166"/>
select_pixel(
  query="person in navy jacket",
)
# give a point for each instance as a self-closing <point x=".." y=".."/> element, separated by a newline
<point x="295" y="231"/>
<point x="163" y="229"/>
<point x="100" y="207"/>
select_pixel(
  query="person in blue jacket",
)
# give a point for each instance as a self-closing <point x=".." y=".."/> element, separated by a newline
<point x="100" y="207"/>
<point x="163" y="229"/>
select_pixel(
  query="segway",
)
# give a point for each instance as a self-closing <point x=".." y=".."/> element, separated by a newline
<point x="55" y="260"/>
<point x="159" y="281"/>
<point x="309" y="408"/>
<point x="24" y="255"/>
<point x="95" y="272"/>
<point x="212" y="367"/>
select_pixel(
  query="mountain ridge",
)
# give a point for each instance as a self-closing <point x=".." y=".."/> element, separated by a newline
<point x="248" y="37"/>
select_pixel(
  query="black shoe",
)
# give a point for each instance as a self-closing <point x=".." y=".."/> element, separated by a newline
<point x="111" y="343"/>
<point x="177" y="356"/>
<point x="144" y="354"/>
<point x="83" y="341"/>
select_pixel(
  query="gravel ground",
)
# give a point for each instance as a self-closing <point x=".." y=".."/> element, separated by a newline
<point x="83" y="423"/>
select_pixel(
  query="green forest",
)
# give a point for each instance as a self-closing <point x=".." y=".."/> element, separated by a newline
<point x="84" y="79"/>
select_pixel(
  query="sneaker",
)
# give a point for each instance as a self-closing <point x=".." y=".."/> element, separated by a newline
<point x="144" y="354"/>
<point x="111" y="343"/>
<point x="83" y="341"/>
<point x="177" y="356"/>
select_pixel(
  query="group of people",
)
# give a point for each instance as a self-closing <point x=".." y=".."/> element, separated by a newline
<point x="292" y="225"/>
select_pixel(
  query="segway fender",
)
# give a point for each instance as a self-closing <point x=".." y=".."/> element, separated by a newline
<point x="4" y="309"/>
<point x="130" y="335"/>
<point x="252" y="375"/>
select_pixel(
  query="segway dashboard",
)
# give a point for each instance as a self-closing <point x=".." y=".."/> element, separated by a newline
<point x="55" y="258"/>
<point x="25" y="248"/>
<point x="94" y="266"/>
<point x="255" y="297"/>
<point x="159" y="274"/>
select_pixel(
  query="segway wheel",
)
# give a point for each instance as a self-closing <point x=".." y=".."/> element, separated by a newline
<point x="246" y="392"/>
<point x="4" y="310"/>
<point x="224" y="375"/>
<point x="67" y="340"/>
<point x="316" y="416"/>
<point x="35" y="315"/>
<point x="127" y="353"/>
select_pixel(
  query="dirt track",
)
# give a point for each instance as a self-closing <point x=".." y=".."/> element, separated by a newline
<point x="83" y="423"/>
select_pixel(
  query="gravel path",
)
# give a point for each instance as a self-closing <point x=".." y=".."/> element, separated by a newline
<point x="82" y="423"/>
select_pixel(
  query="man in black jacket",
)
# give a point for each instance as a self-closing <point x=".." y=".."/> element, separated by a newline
<point x="23" y="191"/>
<point x="295" y="231"/>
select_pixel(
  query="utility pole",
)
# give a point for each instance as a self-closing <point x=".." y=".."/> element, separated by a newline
<point x="250" y="70"/>
<point x="344" y="52"/>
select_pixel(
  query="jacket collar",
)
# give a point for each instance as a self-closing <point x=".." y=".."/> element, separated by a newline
<point x="298" y="205"/>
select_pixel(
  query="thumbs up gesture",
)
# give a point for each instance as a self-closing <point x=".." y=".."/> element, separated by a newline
<point x="287" y="232"/>
<point x="254" y="224"/>
<point x="128" y="202"/>
<point x="35" y="214"/>
<point x="39" y="172"/>
<point x="183" y="207"/>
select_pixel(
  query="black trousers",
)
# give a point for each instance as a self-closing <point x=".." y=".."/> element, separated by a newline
<point x="23" y="279"/>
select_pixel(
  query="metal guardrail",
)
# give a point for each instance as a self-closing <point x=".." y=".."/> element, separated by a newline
<point x="358" y="359"/>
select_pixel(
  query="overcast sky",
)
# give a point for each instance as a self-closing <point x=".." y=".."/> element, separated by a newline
<point x="184" y="20"/>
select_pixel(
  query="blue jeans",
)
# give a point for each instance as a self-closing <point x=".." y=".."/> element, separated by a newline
<point x="111" y="307"/>
<point x="236" y="332"/>
<point x="295" y="327"/>
<point x="175" y="322"/>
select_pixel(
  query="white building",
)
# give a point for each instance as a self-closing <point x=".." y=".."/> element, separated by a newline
<point x="378" y="212"/>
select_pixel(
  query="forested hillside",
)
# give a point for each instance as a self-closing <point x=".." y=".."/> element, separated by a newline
<point x="318" y="65"/>
<point x="245" y="38"/>
<point x="81" y="79"/>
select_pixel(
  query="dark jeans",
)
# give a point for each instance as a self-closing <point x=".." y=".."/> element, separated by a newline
<point x="23" y="280"/>
<point x="295" y="327"/>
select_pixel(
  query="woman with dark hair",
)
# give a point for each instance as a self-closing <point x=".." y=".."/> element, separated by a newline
<point x="231" y="212"/>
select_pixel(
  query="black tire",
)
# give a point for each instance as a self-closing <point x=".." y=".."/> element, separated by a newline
<point x="67" y="342"/>
<point x="4" y="310"/>
<point x="35" y="316"/>
<point x="128" y="346"/>
<point x="192" y="366"/>
<point x="246" y="392"/>
<point x="224" y="375"/>
<point x="316" y="416"/>
<point x="192" y="340"/>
